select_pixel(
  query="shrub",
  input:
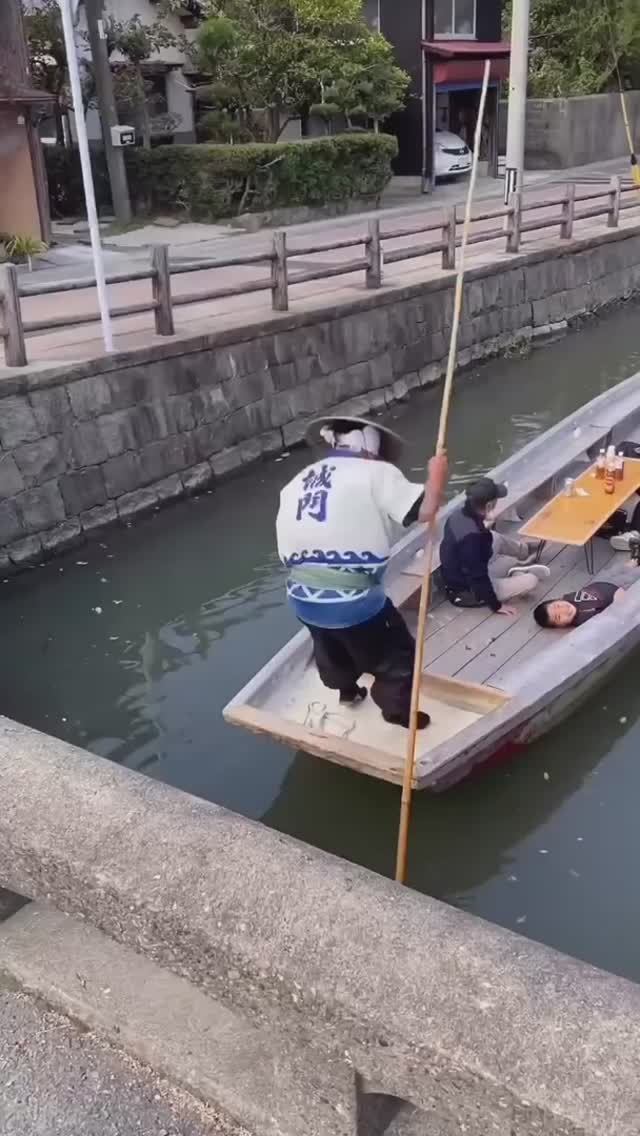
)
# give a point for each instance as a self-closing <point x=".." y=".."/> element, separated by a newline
<point x="209" y="182"/>
<point x="21" y="248"/>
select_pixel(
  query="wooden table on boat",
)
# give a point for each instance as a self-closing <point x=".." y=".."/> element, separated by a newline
<point x="577" y="518"/>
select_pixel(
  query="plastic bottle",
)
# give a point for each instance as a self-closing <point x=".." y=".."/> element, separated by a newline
<point x="601" y="464"/>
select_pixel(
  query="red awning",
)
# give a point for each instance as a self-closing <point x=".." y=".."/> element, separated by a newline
<point x="466" y="49"/>
<point x="461" y="61"/>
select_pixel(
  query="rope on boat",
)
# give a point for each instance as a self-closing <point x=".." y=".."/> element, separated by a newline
<point x="318" y="716"/>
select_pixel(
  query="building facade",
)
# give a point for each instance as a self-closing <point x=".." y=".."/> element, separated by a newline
<point x="442" y="44"/>
<point x="24" y="207"/>
<point x="167" y="72"/>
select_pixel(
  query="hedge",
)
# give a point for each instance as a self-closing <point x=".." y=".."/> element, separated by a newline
<point x="208" y="182"/>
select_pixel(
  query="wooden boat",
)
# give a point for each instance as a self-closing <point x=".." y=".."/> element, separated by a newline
<point x="491" y="684"/>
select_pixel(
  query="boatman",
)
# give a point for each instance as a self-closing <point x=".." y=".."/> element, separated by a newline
<point x="337" y="522"/>
<point x="483" y="568"/>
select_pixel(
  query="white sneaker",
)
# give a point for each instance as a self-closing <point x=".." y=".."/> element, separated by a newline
<point x="540" y="571"/>
<point x="622" y="542"/>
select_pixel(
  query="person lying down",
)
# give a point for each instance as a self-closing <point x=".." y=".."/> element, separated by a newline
<point x="576" y="608"/>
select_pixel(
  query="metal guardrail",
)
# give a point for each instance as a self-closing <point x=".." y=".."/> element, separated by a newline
<point x="609" y="203"/>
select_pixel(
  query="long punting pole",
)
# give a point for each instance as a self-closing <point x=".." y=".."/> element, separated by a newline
<point x="418" y="662"/>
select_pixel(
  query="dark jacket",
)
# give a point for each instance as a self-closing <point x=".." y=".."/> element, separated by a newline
<point x="465" y="552"/>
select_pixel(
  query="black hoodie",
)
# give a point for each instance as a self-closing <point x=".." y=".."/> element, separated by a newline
<point x="465" y="552"/>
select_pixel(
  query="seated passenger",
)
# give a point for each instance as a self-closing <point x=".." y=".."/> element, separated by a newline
<point x="578" y="607"/>
<point x="630" y="534"/>
<point x="479" y="567"/>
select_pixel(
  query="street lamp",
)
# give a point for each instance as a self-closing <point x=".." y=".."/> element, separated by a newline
<point x="69" y="11"/>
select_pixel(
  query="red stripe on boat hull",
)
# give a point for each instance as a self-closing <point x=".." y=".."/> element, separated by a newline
<point x="508" y="751"/>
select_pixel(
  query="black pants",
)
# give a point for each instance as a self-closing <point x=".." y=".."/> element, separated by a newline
<point x="383" y="647"/>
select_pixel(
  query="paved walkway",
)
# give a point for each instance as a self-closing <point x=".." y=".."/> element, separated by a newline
<point x="203" y="317"/>
<point x="58" y="1080"/>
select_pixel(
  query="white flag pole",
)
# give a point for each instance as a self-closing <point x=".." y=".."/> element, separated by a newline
<point x="87" y="176"/>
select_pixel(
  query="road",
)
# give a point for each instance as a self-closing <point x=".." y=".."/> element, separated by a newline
<point x="56" y="1079"/>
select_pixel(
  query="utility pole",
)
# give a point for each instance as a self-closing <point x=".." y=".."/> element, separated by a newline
<point x="427" y="97"/>
<point x="107" y="110"/>
<point x="518" y="72"/>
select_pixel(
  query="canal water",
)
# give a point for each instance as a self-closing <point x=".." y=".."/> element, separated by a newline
<point x="132" y="646"/>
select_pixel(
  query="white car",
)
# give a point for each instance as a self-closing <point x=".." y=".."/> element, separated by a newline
<point x="452" y="155"/>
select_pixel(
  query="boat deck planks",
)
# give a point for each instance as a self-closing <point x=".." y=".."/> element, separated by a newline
<point x="483" y="664"/>
<point x="366" y="741"/>
<point x="545" y="638"/>
<point x="473" y="628"/>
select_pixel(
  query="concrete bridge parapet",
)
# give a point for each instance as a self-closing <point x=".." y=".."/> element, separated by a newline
<point x="338" y="1002"/>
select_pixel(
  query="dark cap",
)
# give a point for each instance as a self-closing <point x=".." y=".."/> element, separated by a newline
<point x="484" y="490"/>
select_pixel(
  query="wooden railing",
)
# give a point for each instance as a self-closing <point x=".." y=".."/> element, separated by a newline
<point x="511" y="224"/>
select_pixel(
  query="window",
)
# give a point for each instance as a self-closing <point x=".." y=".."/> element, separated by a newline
<point x="455" y="18"/>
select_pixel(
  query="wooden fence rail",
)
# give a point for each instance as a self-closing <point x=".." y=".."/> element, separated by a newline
<point x="608" y="202"/>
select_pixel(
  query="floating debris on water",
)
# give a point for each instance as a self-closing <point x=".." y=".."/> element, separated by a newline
<point x="623" y="721"/>
<point x="98" y="610"/>
<point x="521" y="919"/>
<point x="82" y="563"/>
<point x="546" y="776"/>
<point x="543" y="851"/>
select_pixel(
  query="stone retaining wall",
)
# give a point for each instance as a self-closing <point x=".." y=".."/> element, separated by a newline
<point x="561" y="133"/>
<point x="341" y="1004"/>
<point x="96" y="442"/>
